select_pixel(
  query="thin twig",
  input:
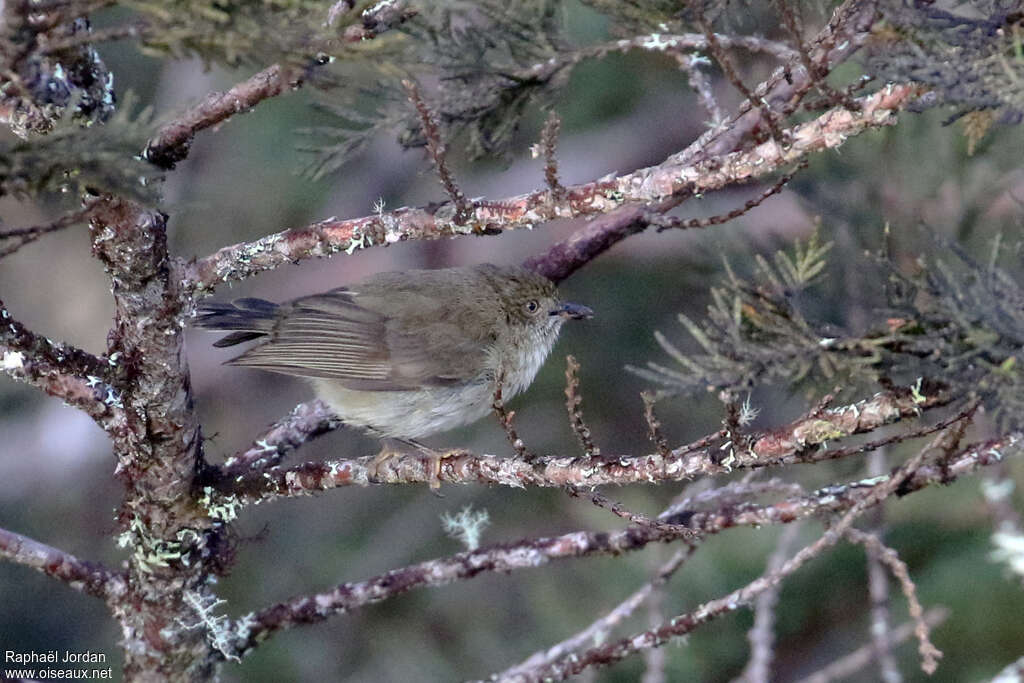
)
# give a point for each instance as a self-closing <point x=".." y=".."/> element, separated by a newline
<point x="598" y="630"/>
<point x="653" y="425"/>
<point x="846" y="666"/>
<point x="306" y="422"/>
<point x="505" y="420"/>
<point x="26" y="235"/>
<point x="762" y="634"/>
<point x="549" y="145"/>
<point x="91" y="578"/>
<point x="701" y="84"/>
<point x="438" y="152"/>
<point x="725" y="63"/>
<point x="930" y="655"/>
<point x="878" y="585"/>
<point x="624" y="200"/>
<point x="619" y="510"/>
<point x="814" y="71"/>
<point x="171" y="144"/>
<point x="673" y="223"/>
<point x="572" y="406"/>
<point x="685" y="623"/>
<point x="855" y="497"/>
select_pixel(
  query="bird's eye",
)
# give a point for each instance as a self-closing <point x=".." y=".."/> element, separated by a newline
<point x="532" y="306"/>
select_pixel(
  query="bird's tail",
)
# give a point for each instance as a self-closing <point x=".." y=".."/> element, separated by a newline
<point x="252" y="318"/>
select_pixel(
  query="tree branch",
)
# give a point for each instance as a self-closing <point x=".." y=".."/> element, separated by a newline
<point x="173" y="141"/>
<point x="23" y="236"/>
<point x="306" y="422"/>
<point x="61" y="370"/>
<point x="762" y="634"/>
<point x="599" y="629"/>
<point x="87" y="577"/>
<point x="604" y="655"/>
<point x="930" y="654"/>
<point x="854" y="496"/>
<point x="804" y="440"/>
<point x="659" y="186"/>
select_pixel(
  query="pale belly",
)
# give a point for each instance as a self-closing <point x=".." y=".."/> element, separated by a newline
<point x="408" y="414"/>
<point x="421" y="412"/>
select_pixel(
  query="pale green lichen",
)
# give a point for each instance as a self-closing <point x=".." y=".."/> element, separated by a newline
<point x="217" y="627"/>
<point x="816" y="432"/>
<point x="359" y="240"/>
<point x="149" y="553"/>
<point x="466" y="526"/>
<point x="223" y="508"/>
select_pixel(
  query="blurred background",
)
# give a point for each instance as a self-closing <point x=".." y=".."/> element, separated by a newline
<point x="619" y="113"/>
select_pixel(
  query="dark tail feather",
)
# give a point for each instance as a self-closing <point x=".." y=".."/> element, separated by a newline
<point x="253" y="318"/>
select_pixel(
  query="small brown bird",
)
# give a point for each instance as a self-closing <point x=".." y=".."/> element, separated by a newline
<point x="406" y="354"/>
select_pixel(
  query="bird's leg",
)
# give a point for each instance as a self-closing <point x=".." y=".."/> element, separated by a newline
<point x="433" y="457"/>
<point x="390" y="450"/>
<point x="387" y="451"/>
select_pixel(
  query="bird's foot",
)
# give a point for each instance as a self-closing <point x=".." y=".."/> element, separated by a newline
<point x="433" y="460"/>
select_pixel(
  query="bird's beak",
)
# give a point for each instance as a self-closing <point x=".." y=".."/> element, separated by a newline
<point x="574" y="311"/>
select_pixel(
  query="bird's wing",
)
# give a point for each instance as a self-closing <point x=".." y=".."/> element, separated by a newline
<point x="357" y="339"/>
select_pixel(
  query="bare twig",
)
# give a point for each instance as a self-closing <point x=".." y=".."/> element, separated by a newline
<point x="172" y="142"/>
<point x="619" y="510"/>
<point x="762" y="634"/>
<point x="91" y="578"/>
<point x="572" y="406"/>
<point x="549" y="146"/>
<point x="771" y="118"/>
<point x="847" y="30"/>
<point x="604" y="655"/>
<point x="653" y="425"/>
<point x="61" y="370"/>
<point x="816" y="73"/>
<point x="438" y="152"/>
<point x="878" y="585"/>
<point x="855" y="497"/>
<point x="600" y="628"/>
<point x="686" y="507"/>
<point x="505" y="420"/>
<point x="701" y="84"/>
<point x="930" y="654"/>
<point x="671" y="222"/>
<point x="22" y="236"/>
<point x="858" y="659"/>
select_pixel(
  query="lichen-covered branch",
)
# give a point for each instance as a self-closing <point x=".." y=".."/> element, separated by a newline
<point x="841" y="498"/>
<point x="175" y="544"/>
<point x="805" y="440"/>
<point x="648" y="186"/>
<point x="306" y="422"/>
<point x="91" y="578"/>
<point x="61" y="370"/>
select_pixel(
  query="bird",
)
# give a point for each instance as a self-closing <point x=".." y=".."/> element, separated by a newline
<point x="407" y="354"/>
